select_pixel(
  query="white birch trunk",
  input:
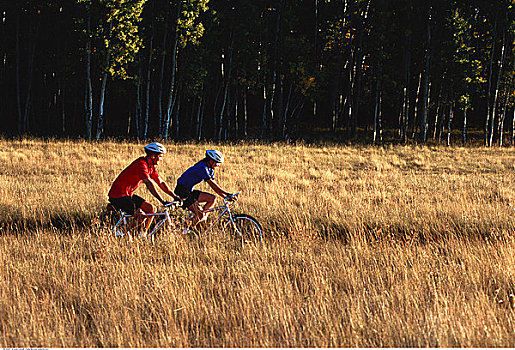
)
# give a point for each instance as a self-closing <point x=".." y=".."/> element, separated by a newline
<point x="89" y="87"/>
<point x="496" y="92"/>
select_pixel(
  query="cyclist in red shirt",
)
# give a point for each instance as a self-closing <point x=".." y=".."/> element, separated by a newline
<point x="141" y="170"/>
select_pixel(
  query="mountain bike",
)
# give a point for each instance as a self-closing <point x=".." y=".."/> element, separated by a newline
<point x="122" y="219"/>
<point x="225" y="225"/>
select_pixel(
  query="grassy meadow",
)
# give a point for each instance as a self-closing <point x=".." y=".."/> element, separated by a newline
<point x="366" y="247"/>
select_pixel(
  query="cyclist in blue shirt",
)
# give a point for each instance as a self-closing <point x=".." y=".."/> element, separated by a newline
<point x="204" y="170"/>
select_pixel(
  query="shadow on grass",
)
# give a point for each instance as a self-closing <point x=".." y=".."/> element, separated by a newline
<point x="15" y="222"/>
<point x="377" y="233"/>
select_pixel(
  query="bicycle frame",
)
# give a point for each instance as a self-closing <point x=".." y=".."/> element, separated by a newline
<point x="224" y="209"/>
<point x="166" y="219"/>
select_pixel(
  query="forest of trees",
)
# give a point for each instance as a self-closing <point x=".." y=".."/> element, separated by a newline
<point x="259" y="69"/>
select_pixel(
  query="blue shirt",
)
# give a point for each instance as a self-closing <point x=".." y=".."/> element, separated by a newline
<point x="195" y="175"/>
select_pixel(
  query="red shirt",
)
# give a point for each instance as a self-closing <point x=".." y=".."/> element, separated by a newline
<point x="130" y="178"/>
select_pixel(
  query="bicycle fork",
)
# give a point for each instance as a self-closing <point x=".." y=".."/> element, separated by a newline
<point x="124" y="219"/>
<point x="233" y="223"/>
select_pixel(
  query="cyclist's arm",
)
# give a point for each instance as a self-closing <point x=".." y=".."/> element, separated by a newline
<point x="152" y="188"/>
<point x="217" y="188"/>
<point x="166" y="189"/>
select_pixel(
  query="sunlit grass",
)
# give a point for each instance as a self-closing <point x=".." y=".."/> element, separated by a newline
<point x="393" y="247"/>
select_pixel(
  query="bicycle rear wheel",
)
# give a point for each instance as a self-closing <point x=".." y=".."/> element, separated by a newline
<point x="245" y="228"/>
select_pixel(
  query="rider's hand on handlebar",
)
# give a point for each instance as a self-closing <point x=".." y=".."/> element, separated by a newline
<point x="231" y="197"/>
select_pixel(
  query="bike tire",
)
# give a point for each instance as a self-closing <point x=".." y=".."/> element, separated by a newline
<point x="246" y="229"/>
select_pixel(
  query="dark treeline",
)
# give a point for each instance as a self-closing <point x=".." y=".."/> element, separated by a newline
<point x="261" y="69"/>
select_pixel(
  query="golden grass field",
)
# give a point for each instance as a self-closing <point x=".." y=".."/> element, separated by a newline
<point x="366" y="247"/>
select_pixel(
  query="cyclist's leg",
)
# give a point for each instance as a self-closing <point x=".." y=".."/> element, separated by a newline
<point x="142" y="207"/>
<point x="197" y="210"/>
<point x="126" y="205"/>
<point x="207" y="198"/>
<point x="148" y="209"/>
<point x="200" y="214"/>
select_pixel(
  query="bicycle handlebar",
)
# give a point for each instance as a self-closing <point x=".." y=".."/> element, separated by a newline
<point x="178" y="203"/>
<point x="174" y="204"/>
<point x="231" y="197"/>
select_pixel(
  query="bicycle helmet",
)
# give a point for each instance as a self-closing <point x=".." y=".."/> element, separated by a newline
<point x="155" y="147"/>
<point x="215" y="155"/>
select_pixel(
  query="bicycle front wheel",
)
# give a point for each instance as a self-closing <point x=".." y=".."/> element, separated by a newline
<point x="245" y="228"/>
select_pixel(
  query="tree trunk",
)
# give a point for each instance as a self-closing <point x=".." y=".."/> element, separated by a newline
<point x="438" y="122"/>
<point x="232" y="123"/>
<point x="200" y="115"/>
<point x="264" y="112"/>
<point x="449" y="125"/>
<point x="377" y="109"/>
<point x="284" y="119"/>
<point x="496" y="92"/>
<point x="464" y="130"/>
<point x="31" y="54"/>
<point x="356" y="90"/>
<point x="415" y="112"/>
<point x="343" y="97"/>
<point x="505" y="107"/>
<point x="61" y="92"/>
<point x="425" y="94"/>
<point x="356" y="71"/>
<point x="335" y="108"/>
<point x="513" y="127"/>
<point x="435" y="130"/>
<point x="177" y="113"/>
<point x="149" y="75"/>
<point x="501" y="126"/>
<point x="18" y="88"/>
<point x="100" y="124"/>
<point x="348" y="98"/>
<point x="161" y="81"/>
<point x="245" y="113"/>
<point x="237" y="112"/>
<point x="405" y="114"/>
<point x="171" y="91"/>
<point x="220" y="85"/>
<point x="273" y="106"/>
<point x="89" y="87"/>
<point x="438" y="103"/>
<point x="489" y="91"/>
<point x="227" y="81"/>
<point x="138" y="114"/>
<point x="294" y="119"/>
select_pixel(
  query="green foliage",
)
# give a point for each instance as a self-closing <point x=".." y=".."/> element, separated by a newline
<point x="189" y="26"/>
<point x="124" y="41"/>
<point x="322" y="51"/>
<point x="114" y="30"/>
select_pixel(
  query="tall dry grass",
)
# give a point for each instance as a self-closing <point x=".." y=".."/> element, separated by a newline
<point x="395" y="246"/>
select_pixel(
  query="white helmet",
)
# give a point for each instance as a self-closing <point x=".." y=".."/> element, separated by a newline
<point x="155" y="147"/>
<point x="217" y="156"/>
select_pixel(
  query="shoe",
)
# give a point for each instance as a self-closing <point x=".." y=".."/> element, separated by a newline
<point x="187" y="232"/>
<point x="118" y="233"/>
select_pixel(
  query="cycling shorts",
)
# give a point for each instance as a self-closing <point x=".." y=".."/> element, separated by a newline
<point x="127" y="204"/>
<point x="188" y="197"/>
